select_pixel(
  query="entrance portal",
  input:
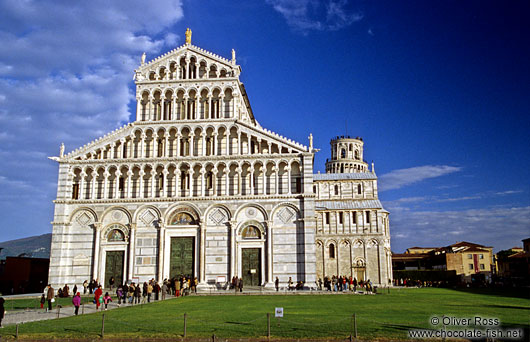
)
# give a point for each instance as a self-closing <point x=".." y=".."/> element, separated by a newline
<point x="114" y="267"/>
<point x="251" y="266"/>
<point x="359" y="272"/>
<point x="182" y="257"/>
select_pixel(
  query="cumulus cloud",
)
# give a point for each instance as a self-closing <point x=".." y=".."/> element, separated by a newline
<point x="400" y="178"/>
<point x="306" y="15"/>
<point x="66" y="72"/>
<point x="486" y="226"/>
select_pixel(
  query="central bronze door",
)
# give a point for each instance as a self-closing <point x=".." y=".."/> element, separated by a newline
<point x="182" y="257"/>
<point x="114" y="267"/>
<point x="251" y="266"/>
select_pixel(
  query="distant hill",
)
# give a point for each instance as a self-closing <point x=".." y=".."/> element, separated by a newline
<point x="33" y="247"/>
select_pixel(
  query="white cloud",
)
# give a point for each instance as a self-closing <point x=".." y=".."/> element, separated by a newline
<point x="306" y="15"/>
<point x="66" y="69"/>
<point x="496" y="226"/>
<point x="508" y="192"/>
<point x="400" y="178"/>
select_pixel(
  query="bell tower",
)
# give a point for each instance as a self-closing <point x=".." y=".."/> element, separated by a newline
<point x="346" y="155"/>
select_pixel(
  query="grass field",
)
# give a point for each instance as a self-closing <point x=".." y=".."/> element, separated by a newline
<point x="385" y="315"/>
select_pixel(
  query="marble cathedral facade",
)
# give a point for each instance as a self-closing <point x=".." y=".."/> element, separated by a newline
<point x="196" y="187"/>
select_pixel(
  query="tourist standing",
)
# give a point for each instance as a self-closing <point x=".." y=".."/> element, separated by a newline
<point x="240" y="283"/>
<point x="111" y="282"/>
<point x="119" y="294"/>
<point x="97" y="295"/>
<point x="50" y="294"/>
<point x="2" y="311"/>
<point x="164" y="290"/>
<point x="85" y="286"/>
<point x="77" y="302"/>
<point x="106" y="300"/>
<point x="42" y="301"/>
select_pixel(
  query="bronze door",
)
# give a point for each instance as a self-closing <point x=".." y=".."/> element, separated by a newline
<point x="251" y="266"/>
<point x="114" y="267"/>
<point x="182" y="257"/>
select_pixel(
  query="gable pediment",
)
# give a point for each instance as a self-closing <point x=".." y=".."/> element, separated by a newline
<point x="165" y="66"/>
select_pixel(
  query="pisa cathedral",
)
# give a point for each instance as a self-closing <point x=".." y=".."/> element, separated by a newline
<point x="196" y="187"/>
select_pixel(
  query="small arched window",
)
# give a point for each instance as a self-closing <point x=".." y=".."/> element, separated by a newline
<point x="343" y="153"/>
<point x="357" y="154"/>
<point x="332" y="251"/>
<point x="359" y="189"/>
<point x="336" y="190"/>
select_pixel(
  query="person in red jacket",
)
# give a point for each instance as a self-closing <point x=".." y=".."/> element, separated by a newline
<point x="98" y="293"/>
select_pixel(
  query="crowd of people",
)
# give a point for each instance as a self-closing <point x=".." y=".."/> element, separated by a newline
<point x="345" y="284"/>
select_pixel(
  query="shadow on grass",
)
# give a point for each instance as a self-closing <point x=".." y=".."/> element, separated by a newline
<point x="499" y="292"/>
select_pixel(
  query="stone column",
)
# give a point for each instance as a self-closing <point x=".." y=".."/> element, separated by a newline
<point x="227" y="184"/>
<point x="95" y="256"/>
<point x="251" y="180"/>
<point x="239" y="150"/>
<point x="166" y="145"/>
<point x="93" y="174"/>
<point x="122" y="148"/>
<point x="276" y="180"/>
<point x="165" y="173"/>
<point x="202" y="254"/>
<point x="289" y="180"/>
<point x="129" y="185"/>
<point x="201" y="175"/>
<point x="177" y="143"/>
<point x="106" y="176"/>
<point x="227" y="132"/>
<point x="191" y="147"/>
<point x="161" y="245"/>
<point x="132" y="243"/>
<point x="214" y="144"/>
<point x="264" y="170"/>
<point x="203" y="143"/>
<point x="141" y="183"/>
<point x="270" y="281"/>
<point x="221" y="106"/>
<point x="117" y="186"/>
<point x="196" y="109"/>
<point x="233" y="249"/>
<point x="214" y="182"/>
<point x="238" y="172"/>
<point x="153" y="183"/>
<point x="141" y="152"/>
<point x="210" y="116"/>
<point x="249" y="141"/>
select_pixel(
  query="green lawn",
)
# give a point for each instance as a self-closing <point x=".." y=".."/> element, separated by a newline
<point x="385" y="315"/>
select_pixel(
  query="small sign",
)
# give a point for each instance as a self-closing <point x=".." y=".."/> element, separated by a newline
<point x="252" y="271"/>
<point x="278" y="312"/>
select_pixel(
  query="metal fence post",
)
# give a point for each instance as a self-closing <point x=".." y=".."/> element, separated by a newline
<point x="58" y="310"/>
<point x="355" y="325"/>
<point x="268" y="325"/>
<point x="103" y="326"/>
<point x="16" y="333"/>
<point x="185" y="323"/>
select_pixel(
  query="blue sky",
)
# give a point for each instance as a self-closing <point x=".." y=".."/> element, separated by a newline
<point x="438" y="91"/>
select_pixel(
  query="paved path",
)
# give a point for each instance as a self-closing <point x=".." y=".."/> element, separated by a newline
<point x="31" y="315"/>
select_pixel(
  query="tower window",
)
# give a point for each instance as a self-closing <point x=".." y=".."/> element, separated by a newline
<point x="121" y="184"/>
<point x="343" y="153"/>
<point x="359" y="189"/>
<point x="367" y="217"/>
<point x="332" y="251"/>
<point x="354" y="217"/>
<point x="327" y="219"/>
<point x="336" y="190"/>
<point x="340" y="217"/>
